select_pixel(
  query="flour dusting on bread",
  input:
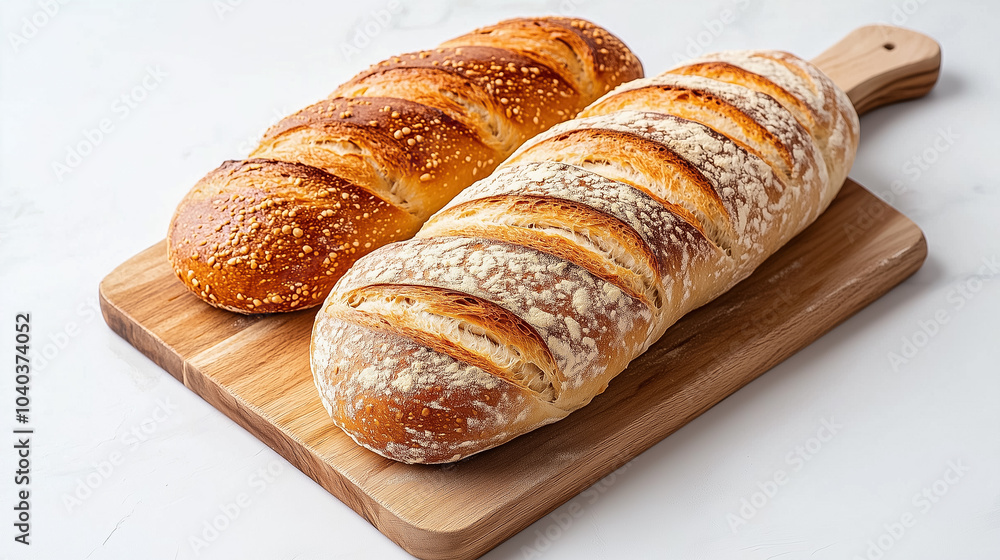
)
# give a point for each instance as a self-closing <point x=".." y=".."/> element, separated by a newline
<point x="520" y="300"/>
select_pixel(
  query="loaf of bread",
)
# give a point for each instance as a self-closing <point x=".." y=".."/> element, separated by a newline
<point x="371" y="163"/>
<point x="520" y="300"/>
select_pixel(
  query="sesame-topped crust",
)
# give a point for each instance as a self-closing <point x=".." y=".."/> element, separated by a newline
<point x="273" y="235"/>
<point x="578" y="252"/>
<point x="398" y="140"/>
<point x="584" y="54"/>
<point x="505" y="95"/>
<point x="408" y="153"/>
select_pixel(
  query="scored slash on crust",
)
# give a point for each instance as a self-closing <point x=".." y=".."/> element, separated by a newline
<point x="400" y="139"/>
<point x="597" y="235"/>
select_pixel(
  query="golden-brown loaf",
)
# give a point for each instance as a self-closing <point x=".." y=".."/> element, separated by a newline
<point x="371" y="163"/>
<point x="522" y="298"/>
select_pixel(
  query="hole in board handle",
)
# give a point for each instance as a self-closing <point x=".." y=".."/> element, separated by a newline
<point x="889" y="46"/>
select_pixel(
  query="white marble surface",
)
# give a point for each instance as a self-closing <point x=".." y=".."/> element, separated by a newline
<point x="151" y="462"/>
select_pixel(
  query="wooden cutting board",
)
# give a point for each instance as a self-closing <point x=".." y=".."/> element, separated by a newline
<point x="255" y="369"/>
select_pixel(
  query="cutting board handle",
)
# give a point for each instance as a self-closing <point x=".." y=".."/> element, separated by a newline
<point x="881" y="64"/>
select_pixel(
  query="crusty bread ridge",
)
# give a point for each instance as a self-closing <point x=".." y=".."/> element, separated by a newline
<point x="524" y="296"/>
<point x="387" y="149"/>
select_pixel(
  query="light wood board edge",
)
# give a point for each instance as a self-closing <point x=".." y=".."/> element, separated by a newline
<point x="479" y="535"/>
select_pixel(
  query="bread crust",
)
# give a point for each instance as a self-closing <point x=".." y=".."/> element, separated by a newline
<point x="273" y="235"/>
<point x="597" y="234"/>
<point x="506" y="96"/>
<point x="413" y="155"/>
<point x="398" y="140"/>
<point x="437" y="414"/>
<point x="584" y="54"/>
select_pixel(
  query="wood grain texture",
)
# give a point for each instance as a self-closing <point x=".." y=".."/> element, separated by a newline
<point x="880" y="64"/>
<point x="255" y="368"/>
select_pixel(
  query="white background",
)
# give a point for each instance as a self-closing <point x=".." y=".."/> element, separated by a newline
<point x="231" y="72"/>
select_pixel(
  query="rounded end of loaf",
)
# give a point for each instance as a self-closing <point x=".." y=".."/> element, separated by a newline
<point x="396" y="143"/>
<point x="440" y="412"/>
<point x="596" y="236"/>
<point x="264" y="236"/>
<point x="403" y="351"/>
